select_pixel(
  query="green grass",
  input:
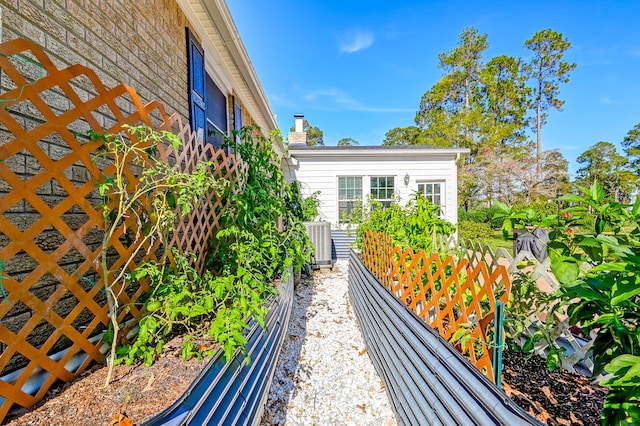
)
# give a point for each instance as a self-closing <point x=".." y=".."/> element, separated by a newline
<point x="496" y="240"/>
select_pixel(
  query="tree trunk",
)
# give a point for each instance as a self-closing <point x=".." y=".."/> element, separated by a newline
<point x="538" y="127"/>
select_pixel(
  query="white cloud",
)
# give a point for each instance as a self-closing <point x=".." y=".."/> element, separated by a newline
<point x="355" y="41"/>
<point x="336" y="99"/>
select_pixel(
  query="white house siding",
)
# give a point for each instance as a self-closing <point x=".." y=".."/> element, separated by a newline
<point x="318" y="170"/>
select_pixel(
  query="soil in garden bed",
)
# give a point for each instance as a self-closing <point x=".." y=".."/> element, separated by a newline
<point x="139" y="391"/>
<point x="553" y="397"/>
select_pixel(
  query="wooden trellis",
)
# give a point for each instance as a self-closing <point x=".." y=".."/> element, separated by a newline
<point x="446" y="294"/>
<point x="576" y="356"/>
<point x="50" y="222"/>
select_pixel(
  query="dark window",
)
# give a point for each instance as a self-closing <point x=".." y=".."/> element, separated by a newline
<point x="216" y="114"/>
<point x="207" y="103"/>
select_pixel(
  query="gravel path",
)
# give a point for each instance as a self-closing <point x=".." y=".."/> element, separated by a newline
<point x="324" y="375"/>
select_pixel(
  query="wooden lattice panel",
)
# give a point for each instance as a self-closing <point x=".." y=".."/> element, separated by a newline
<point x="50" y="225"/>
<point x="195" y="230"/>
<point x="376" y="255"/>
<point x="475" y="252"/>
<point x="446" y="294"/>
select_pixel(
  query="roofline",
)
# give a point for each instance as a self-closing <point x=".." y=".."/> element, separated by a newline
<point x="375" y="151"/>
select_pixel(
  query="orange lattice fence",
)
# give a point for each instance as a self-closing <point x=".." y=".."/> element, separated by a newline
<point x="446" y="294"/>
<point x="52" y="306"/>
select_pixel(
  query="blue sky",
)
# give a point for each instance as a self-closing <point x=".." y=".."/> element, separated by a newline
<point x="359" y="68"/>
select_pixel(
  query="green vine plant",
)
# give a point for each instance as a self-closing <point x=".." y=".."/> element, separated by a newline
<point x="251" y="244"/>
<point x="207" y="310"/>
<point x="154" y="198"/>
<point x="250" y="252"/>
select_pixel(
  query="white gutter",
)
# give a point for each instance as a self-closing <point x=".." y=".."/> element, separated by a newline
<point x="378" y="152"/>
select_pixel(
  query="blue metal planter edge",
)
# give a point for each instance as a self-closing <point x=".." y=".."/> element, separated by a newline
<point x="234" y="393"/>
<point x="427" y="380"/>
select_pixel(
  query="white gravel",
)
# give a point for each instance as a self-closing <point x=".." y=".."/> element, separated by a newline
<point x="324" y="375"/>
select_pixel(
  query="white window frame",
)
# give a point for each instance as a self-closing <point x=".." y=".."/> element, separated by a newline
<point x="386" y="202"/>
<point x="355" y="200"/>
<point x="431" y="196"/>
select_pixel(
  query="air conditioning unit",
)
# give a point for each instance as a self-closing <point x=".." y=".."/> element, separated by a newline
<point x="320" y="236"/>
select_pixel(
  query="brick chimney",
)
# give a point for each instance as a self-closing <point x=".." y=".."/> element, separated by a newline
<point x="299" y="137"/>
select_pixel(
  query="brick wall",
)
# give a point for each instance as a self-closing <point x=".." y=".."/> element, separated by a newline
<point x="140" y="43"/>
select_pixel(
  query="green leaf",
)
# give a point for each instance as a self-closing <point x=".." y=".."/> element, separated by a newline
<point x="566" y="271"/>
<point x="171" y="199"/>
<point x="528" y="345"/>
<point x="552" y="361"/>
<point x="597" y="192"/>
<point x="146" y="228"/>
<point x="588" y="241"/>
<point x="627" y="368"/>
<point x="623" y="291"/>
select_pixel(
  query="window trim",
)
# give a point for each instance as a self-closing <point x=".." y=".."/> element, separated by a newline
<point x="355" y="200"/>
<point x="384" y="201"/>
<point x="442" y="193"/>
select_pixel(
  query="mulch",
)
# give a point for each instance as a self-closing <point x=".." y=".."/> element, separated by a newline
<point x="135" y="394"/>
<point x="553" y="397"/>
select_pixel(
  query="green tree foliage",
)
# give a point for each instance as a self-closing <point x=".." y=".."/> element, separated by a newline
<point x="450" y="112"/>
<point x="604" y="164"/>
<point x="507" y="99"/>
<point x="486" y="107"/>
<point x="631" y="145"/>
<point x="411" y="135"/>
<point x="348" y="142"/>
<point x="314" y="134"/>
<point x="548" y="70"/>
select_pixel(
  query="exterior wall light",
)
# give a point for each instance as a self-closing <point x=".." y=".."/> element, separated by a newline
<point x="406" y="179"/>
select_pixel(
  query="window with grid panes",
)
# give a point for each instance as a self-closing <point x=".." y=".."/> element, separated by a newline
<point x="382" y="188"/>
<point x="349" y="196"/>
<point x="433" y="192"/>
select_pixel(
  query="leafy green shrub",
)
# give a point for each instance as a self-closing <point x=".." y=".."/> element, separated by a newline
<point x="474" y="231"/>
<point x="622" y="405"/>
<point x="482" y="215"/>
<point x="303" y="208"/>
<point x="599" y="273"/>
<point x="310" y="207"/>
<point x="204" y="308"/>
<point x="250" y="241"/>
<point x="415" y="225"/>
<point x="541" y="207"/>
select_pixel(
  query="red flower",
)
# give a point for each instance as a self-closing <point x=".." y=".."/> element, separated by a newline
<point x="567" y="215"/>
<point x="570" y="231"/>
